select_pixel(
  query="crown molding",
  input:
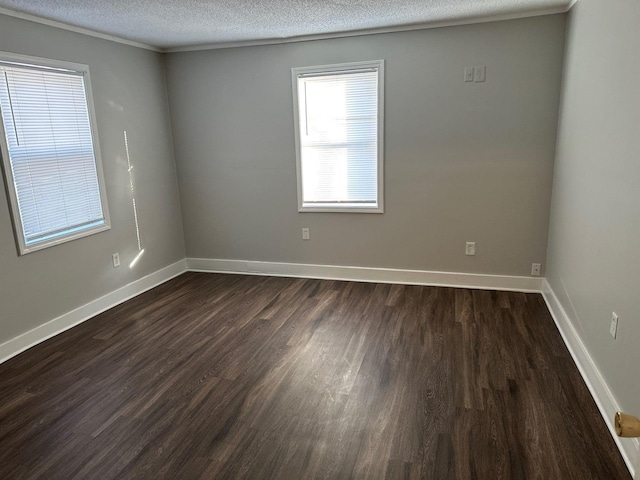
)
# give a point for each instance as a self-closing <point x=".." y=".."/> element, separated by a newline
<point x="572" y="4"/>
<point x="285" y="40"/>
<point x="370" y="31"/>
<point x="72" y="28"/>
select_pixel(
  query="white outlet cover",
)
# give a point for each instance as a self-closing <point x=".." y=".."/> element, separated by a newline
<point x="306" y="234"/>
<point x="535" y="269"/>
<point x="470" y="249"/>
<point x="480" y="73"/>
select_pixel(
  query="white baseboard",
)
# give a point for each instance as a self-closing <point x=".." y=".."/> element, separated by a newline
<point x="600" y="391"/>
<point x="367" y="274"/>
<point x="598" y="387"/>
<point x="70" y="319"/>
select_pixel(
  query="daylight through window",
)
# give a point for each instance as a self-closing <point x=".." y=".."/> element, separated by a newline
<point x="50" y="153"/>
<point x="339" y="137"/>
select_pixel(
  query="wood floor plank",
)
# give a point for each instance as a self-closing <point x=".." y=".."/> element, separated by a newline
<point x="228" y="376"/>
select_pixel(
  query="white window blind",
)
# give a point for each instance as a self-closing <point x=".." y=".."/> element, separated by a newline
<point x="52" y="160"/>
<point x="339" y="122"/>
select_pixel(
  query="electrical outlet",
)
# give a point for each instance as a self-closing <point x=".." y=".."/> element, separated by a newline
<point x="535" y="269"/>
<point x="480" y="74"/>
<point x="470" y="248"/>
<point x="116" y="260"/>
<point x="613" y="329"/>
<point x="468" y="74"/>
<point x="305" y="234"/>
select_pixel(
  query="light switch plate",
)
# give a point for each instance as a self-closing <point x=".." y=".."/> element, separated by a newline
<point x="480" y="73"/>
<point x="468" y="74"/>
<point x="613" y="329"/>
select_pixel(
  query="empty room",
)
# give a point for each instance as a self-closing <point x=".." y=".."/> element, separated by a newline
<point x="290" y="239"/>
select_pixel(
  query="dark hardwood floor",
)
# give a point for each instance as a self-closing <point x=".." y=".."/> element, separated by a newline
<point x="224" y="376"/>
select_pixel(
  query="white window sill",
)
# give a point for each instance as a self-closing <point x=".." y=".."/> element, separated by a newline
<point x="340" y="208"/>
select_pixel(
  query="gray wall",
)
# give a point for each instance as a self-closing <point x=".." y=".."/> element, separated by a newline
<point x="464" y="161"/>
<point x="129" y="94"/>
<point x="594" y="259"/>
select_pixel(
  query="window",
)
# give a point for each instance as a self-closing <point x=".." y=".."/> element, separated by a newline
<point x="50" y="152"/>
<point x="338" y="112"/>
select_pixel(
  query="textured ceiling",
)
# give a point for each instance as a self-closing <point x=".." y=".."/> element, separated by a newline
<point x="183" y="23"/>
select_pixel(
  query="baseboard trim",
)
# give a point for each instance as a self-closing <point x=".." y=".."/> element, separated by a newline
<point x="64" y="322"/>
<point x="600" y="391"/>
<point x="367" y="274"/>
<point x="604" y="398"/>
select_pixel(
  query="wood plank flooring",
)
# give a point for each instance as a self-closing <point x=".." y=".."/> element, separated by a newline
<point x="223" y="376"/>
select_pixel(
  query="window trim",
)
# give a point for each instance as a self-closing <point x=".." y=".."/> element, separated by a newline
<point x="9" y="181"/>
<point x="340" y="67"/>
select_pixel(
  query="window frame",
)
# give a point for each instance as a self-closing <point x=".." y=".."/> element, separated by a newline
<point x="341" y="68"/>
<point x="7" y="168"/>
